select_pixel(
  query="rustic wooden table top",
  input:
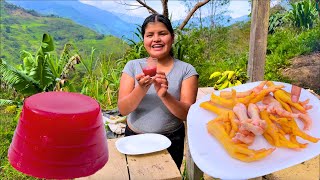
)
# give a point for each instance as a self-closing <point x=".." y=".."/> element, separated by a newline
<point x="157" y="165"/>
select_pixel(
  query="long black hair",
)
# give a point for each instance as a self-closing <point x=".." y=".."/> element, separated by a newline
<point x="158" y="18"/>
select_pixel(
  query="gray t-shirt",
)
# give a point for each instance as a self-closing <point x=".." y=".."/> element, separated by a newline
<point x="152" y="116"/>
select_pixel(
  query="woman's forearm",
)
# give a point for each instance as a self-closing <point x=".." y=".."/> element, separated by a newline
<point x="129" y="103"/>
<point x="177" y="108"/>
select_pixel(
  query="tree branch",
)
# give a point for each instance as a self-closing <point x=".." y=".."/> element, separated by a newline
<point x="193" y="10"/>
<point x="165" y="8"/>
<point x="150" y="9"/>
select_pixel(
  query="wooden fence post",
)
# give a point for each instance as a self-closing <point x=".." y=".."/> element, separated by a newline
<point x="258" y="39"/>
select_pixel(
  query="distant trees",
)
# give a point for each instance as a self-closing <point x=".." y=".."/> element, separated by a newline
<point x="214" y="8"/>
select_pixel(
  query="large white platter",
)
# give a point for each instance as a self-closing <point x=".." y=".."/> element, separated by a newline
<point x="213" y="160"/>
<point x="142" y="144"/>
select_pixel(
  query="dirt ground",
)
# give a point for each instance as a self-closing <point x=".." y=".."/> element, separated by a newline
<point x="305" y="71"/>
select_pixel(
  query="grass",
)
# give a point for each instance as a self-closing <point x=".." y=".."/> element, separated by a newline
<point x="8" y="122"/>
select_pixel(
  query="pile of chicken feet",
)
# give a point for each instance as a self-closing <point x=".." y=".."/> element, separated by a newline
<point x="241" y="116"/>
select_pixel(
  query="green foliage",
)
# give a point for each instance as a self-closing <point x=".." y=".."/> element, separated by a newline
<point x="8" y="122"/>
<point x="101" y="79"/>
<point x="180" y="46"/>
<point x="36" y="74"/>
<point x="22" y="30"/>
<point x="137" y="49"/>
<point x="303" y="14"/>
<point x="276" y="20"/>
<point x="287" y="43"/>
<point x="210" y="50"/>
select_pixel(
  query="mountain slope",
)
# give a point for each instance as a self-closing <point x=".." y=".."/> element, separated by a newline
<point x="99" y="20"/>
<point x="22" y="30"/>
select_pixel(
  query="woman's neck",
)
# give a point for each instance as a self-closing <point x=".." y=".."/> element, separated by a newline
<point x="165" y="65"/>
<point x="167" y="61"/>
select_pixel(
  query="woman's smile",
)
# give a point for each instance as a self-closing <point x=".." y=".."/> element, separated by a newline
<point x="157" y="47"/>
<point x="158" y="40"/>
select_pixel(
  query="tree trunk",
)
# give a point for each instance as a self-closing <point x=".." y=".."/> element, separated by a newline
<point x="258" y="39"/>
<point x="165" y="8"/>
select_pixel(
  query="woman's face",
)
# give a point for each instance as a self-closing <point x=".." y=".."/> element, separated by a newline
<point x="157" y="40"/>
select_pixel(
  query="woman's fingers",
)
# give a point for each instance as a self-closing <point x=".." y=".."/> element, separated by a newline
<point x="161" y="81"/>
<point x="145" y="81"/>
<point x="164" y="86"/>
<point x="295" y="93"/>
<point x="139" y="76"/>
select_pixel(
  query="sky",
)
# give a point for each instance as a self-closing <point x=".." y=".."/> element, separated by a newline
<point x="177" y="9"/>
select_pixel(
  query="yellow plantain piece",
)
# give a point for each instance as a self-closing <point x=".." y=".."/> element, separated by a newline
<point x="237" y="151"/>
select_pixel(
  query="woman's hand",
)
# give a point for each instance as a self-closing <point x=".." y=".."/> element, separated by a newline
<point x="144" y="81"/>
<point x="295" y="93"/>
<point x="161" y="84"/>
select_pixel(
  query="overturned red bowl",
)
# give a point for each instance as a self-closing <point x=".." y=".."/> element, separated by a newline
<point x="59" y="135"/>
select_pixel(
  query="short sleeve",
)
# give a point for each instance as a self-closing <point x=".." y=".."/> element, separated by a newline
<point x="190" y="71"/>
<point x="129" y="69"/>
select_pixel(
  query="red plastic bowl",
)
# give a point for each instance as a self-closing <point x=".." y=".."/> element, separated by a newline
<point x="59" y="135"/>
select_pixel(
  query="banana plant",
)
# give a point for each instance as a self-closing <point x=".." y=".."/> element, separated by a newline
<point x="303" y="14"/>
<point x="180" y="45"/>
<point x="276" y="20"/>
<point x="37" y="73"/>
<point x="228" y="78"/>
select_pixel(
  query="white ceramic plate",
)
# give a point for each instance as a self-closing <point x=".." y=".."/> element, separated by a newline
<point x="213" y="159"/>
<point x="142" y="143"/>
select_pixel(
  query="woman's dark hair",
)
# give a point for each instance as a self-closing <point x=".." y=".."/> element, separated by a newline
<point x="158" y="18"/>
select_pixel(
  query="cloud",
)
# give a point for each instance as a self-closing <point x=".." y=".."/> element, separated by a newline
<point x="177" y="9"/>
<point x="239" y="8"/>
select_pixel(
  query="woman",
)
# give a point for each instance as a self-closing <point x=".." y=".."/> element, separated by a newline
<point x="158" y="104"/>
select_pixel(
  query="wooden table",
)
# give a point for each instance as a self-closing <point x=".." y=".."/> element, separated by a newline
<point x="158" y="165"/>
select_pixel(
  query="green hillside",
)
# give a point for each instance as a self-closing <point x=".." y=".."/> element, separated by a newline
<point x="21" y="30"/>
